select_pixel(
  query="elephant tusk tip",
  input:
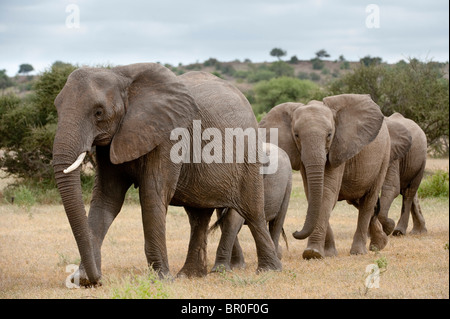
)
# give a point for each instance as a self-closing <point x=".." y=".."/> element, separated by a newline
<point x="75" y="164"/>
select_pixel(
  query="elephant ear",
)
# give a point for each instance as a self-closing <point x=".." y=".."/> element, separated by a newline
<point x="280" y="117"/>
<point x="156" y="103"/>
<point x="358" y="121"/>
<point x="401" y="139"/>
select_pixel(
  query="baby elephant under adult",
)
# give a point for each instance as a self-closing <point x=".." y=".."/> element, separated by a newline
<point x="341" y="145"/>
<point x="277" y="192"/>
<point x="404" y="176"/>
<point x="130" y="113"/>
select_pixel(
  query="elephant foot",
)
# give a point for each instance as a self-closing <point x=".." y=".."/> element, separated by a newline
<point x="420" y="230"/>
<point x="379" y="244"/>
<point x="266" y="266"/>
<point x="399" y="232"/>
<point x="312" y="253"/>
<point x="358" y="250"/>
<point x="220" y="268"/>
<point x="189" y="271"/>
<point x="80" y="278"/>
<point x="388" y="226"/>
<point x="378" y="240"/>
<point x="238" y="264"/>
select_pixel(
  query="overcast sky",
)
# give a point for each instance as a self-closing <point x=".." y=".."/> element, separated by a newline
<point x="180" y="31"/>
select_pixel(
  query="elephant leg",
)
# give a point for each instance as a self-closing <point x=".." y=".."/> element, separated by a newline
<point x="230" y="226"/>
<point x="403" y="221"/>
<point x="276" y="224"/>
<point x="275" y="229"/>
<point x="378" y="237"/>
<point x="418" y="220"/>
<point x="107" y="200"/>
<point x="409" y="195"/>
<point x="156" y="189"/>
<point x="367" y="206"/>
<point x="253" y="213"/>
<point x="237" y="256"/>
<point x="389" y="191"/>
<point x="196" y="259"/>
<point x="265" y="249"/>
<point x="330" y="245"/>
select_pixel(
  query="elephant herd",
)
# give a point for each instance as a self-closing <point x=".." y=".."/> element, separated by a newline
<point x="344" y="147"/>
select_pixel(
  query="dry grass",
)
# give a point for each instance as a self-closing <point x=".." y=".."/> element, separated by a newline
<point x="36" y="245"/>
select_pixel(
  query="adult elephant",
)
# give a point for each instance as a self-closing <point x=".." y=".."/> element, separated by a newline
<point x="404" y="176"/>
<point x="277" y="193"/>
<point x="342" y="148"/>
<point x="128" y="113"/>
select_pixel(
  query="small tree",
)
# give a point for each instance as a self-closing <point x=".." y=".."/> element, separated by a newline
<point x="368" y="60"/>
<point x="277" y="52"/>
<point x="322" y="54"/>
<point x="28" y="126"/>
<point x="283" y="89"/>
<point x="5" y="81"/>
<point x="25" y="68"/>
<point x="294" y="60"/>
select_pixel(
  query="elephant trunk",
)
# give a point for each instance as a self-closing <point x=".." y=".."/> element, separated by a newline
<point x="69" y="186"/>
<point x="315" y="178"/>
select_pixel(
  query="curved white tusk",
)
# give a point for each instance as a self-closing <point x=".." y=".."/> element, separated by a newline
<point x="75" y="164"/>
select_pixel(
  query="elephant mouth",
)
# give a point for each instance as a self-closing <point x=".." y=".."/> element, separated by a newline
<point x="102" y="139"/>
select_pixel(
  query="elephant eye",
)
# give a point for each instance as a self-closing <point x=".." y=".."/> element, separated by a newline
<point x="99" y="113"/>
<point x="329" y="136"/>
<point x="296" y="135"/>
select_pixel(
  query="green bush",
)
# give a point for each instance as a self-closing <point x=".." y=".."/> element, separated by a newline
<point x="281" y="68"/>
<point x="20" y="195"/>
<point x="317" y="64"/>
<point x="28" y="126"/>
<point x="418" y="90"/>
<point x="134" y="286"/>
<point x="436" y="185"/>
<point x="279" y="90"/>
<point x="260" y="74"/>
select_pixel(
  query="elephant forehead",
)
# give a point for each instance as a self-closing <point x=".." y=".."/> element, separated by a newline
<point x="314" y="113"/>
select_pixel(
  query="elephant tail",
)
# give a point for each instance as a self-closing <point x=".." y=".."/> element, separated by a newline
<point x="220" y="215"/>
<point x="285" y="238"/>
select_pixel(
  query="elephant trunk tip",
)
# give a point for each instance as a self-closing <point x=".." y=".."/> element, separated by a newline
<point x="302" y="234"/>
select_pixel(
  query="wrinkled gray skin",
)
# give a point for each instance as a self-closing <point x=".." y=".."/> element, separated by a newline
<point x="128" y="113"/>
<point x="277" y="192"/>
<point x="342" y="148"/>
<point x="403" y="178"/>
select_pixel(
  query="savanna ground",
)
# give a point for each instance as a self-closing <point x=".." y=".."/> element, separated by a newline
<point x="36" y="246"/>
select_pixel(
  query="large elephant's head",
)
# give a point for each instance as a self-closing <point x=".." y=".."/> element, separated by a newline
<point x="323" y="133"/>
<point x="131" y="108"/>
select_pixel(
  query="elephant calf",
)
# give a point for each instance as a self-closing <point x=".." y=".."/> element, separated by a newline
<point x="277" y="193"/>
<point x="404" y="176"/>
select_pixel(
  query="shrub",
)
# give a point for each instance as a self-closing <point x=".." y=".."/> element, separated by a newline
<point x="20" y="195"/>
<point x="314" y="76"/>
<point x="418" y="90"/>
<point x="436" y="185"/>
<point x="260" y="75"/>
<point x="141" y="287"/>
<point x="28" y="126"/>
<point x="280" y="90"/>
<point x="281" y="68"/>
<point x="317" y="64"/>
